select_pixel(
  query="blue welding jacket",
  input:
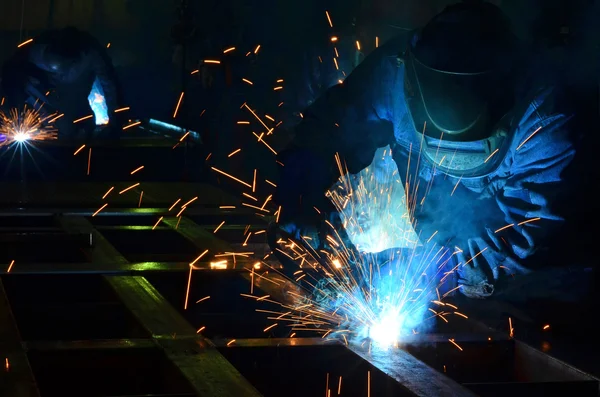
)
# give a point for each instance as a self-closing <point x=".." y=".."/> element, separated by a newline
<point x="368" y="111"/>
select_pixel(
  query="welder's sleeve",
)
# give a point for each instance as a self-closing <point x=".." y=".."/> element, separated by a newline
<point x="351" y="119"/>
<point x="523" y="213"/>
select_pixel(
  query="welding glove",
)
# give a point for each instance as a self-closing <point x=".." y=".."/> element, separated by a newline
<point x="452" y="214"/>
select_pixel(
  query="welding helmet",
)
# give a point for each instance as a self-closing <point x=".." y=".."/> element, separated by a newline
<point x="458" y="86"/>
<point x="63" y="52"/>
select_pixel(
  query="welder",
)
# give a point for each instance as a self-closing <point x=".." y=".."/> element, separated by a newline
<point x="57" y="71"/>
<point x="483" y="136"/>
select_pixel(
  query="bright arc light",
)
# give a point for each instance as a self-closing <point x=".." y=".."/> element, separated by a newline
<point x="21" y="137"/>
<point x="385" y="333"/>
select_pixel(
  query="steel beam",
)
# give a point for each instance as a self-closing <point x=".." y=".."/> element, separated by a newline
<point x="209" y="373"/>
<point x="16" y="377"/>
<point x="207" y="370"/>
<point x="412" y="373"/>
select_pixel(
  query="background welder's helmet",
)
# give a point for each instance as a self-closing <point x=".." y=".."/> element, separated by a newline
<point x="459" y="85"/>
<point x="63" y="52"/>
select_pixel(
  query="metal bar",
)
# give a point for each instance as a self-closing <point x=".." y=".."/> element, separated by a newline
<point x="80" y="239"/>
<point x="112" y="211"/>
<point x="122" y="268"/>
<point x="197" y="235"/>
<point x="16" y="377"/>
<point x="416" y="376"/>
<point x="97" y="344"/>
<point x="206" y="369"/>
<point x="274" y="342"/>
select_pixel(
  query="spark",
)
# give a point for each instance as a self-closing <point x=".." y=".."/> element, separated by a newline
<point x="99" y="209"/>
<point x="108" y="192"/>
<point x="203" y="299"/>
<point x="141" y="167"/>
<point x="229" y="50"/>
<point x="247" y="81"/>
<point x="83" y="118"/>
<point x="198" y="258"/>
<point x="25" y="43"/>
<point x="129" y="188"/>
<point x="370" y="289"/>
<point x="329" y="19"/>
<point x="231" y="342"/>
<point x="212" y="61"/>
<point x="455" y="344"/>
<point x="132" y="125"/>
<point x="79" y="150"/>
<point x="187" y="292"/>
<point x="122" y="109"/>
<point x="256" y="49"/>
<point x="218" y="227"/>
<point x="231" y="176"/>
<point x="10" y="266"/>
<point x="189" y="202"/>
<point x="89" y="162"/>
<point x="25" y="126"/>
<point x="174" y="204"/>
<point x="234" y="152"/>
<point x="157" y="223"/>
<point x="546" y="327"/>
<point x="178" y="104"/>
<point x="529" y="137"/>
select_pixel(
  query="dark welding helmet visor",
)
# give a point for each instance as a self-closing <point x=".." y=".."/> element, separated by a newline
<point x="458" y="87"/>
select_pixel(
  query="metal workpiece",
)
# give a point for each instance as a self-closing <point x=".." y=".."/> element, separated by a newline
<point x="205" y="368"/>
<point x="413" y="374"/>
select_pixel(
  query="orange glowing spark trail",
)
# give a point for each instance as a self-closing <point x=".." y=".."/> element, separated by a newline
<point x="329" y="19"/>
<point x="132" y="125"/>
<point x="234" y="152"/>
<point x="129" y="188"/>
<point x="198" y="258"/>
<point x="178" y="104"/>
<point x="10" y="266"/>
<point x="528" y="138"/>
<point x="218" y="227"/>
<point x="157" y="223"/>
<point x="203" y="299"/>
<point x="25" y="43"/>
<point x="190" y="202"/>
<point x="187" y="292"/>
<point x="99" y="209"/>
<point x="83" y="118"/>
<point x="174" y="204"/>
<point x="229" y="50"/>
<point x="89" y="161"/>
<point x="232" y="177"/>
<point x="137" y="169"/>
<point x="107" y="192"/>
<point x="122" y="109"/>
<point x="247" y="81"/>
<point x="79" y="150"/>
